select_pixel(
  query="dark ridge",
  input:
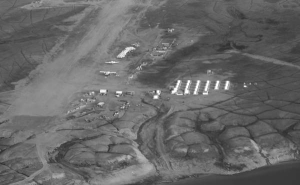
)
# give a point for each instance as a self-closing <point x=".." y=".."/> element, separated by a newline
<point x="194" y="4"/>
<point x="27" y="38"/>
<point x="224" y="46"/>
<point x="271" y="21"/>
<point x="238" y="46"/>
<point x="166" y="69"/>
<point x="46" y="26"/>
<point x="5" y="121"/>
<point x="235" y="13"/>
<point x="268" y="21"/>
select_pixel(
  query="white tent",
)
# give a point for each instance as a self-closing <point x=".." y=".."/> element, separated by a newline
<point x="125" y="51"/>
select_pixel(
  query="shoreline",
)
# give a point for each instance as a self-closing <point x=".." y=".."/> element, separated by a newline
<point x="219" y="179"/>
<point x="198" y="177"/>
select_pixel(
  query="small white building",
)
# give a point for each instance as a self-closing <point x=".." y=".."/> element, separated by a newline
<point x="103" y="92"/>
<point x="209" y="72"/>
<point x="155" y="92"/>
<point x="91" y="93"/>
<point x="155" y="97"/>
<point x="100" y="104"/>
<point x="116" y="113"/>
<point x="170" y="30"/>
<point x="119" y="93"/>
<point x="158" y="92"/>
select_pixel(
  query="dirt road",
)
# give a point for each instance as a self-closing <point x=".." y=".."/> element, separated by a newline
<point x="49" y="92"/>
<point x="266" y="59"/>
<point x="160" y="139"/>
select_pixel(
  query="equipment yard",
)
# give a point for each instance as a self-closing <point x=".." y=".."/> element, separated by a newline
<point x="113" y="92"/>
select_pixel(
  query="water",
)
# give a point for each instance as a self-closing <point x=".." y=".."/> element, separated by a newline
<point x="281" y="174"/>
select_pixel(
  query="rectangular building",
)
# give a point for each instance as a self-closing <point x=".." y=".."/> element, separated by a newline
<point x="227" y="85"/>
<point x="217" y="85"/>
<point x="197" y="87"/>
<point x="177" y="86"/>
<point x="206" y="88"/>
<point x="187" y="87"/>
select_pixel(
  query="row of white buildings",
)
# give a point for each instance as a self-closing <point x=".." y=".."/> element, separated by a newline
<point x="188" y="87"/>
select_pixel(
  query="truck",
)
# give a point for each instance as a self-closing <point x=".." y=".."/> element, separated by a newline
<point x="131" y="93"/>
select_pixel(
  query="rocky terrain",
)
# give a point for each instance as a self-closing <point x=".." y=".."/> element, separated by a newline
<point x="57" y="128"/>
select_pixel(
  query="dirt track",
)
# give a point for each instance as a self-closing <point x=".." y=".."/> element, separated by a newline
<point x="59" y="79"/>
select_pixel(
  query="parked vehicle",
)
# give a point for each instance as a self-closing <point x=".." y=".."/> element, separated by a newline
<point x="131" y="93"/>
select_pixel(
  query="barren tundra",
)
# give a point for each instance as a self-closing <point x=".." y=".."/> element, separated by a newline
<point x="73" y="112"/>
